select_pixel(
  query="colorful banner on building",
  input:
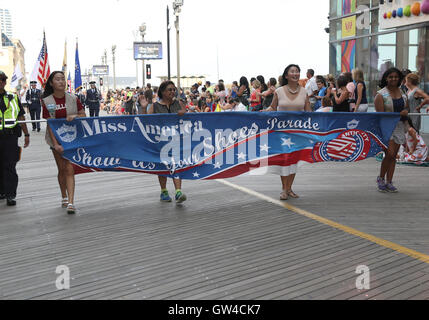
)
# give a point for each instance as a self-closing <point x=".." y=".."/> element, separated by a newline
<point x="349" y="27"/>
<point x="398" y="13"/>
<point x="348" y="54"/>
<point x="349" y="6"/>
<point x="220" y="145"/>
<point x="348" y="47"/>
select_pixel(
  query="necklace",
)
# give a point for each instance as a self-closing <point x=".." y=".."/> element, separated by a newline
<point x="291" y="91"/>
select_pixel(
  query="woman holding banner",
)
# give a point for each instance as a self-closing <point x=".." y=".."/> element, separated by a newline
<point x="58" y="104"/>
<point x="289" y="97"/>
<point x="168" y="104"/>
<point x="391" y="99"/>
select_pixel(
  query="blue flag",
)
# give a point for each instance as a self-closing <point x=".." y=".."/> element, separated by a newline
<point x="221" y="145"/>
<point x="77" y="74"/>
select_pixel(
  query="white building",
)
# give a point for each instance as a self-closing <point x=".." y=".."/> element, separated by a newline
<point x="6" y="23"/>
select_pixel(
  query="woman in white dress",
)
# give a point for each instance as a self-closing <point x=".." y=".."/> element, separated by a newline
<point x="289" y="97"/>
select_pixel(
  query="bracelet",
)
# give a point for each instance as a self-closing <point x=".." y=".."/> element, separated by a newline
<point x="27" y="135"/>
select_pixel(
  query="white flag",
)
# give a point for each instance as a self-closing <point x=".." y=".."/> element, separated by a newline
<point x="17" y="75"/>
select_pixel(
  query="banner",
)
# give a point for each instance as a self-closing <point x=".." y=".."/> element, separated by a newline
<point x="348" y="27"/>
<point x="220" y="145"/>
<point x="348" y="54"/>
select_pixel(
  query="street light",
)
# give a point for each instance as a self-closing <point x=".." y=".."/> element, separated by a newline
<point x="177" y="6"/>
<point x="142" y="30"/>
<point x="114" y="70"/>
<point x="105" y="59"/>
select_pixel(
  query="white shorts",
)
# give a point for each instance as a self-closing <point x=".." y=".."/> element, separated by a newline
<point x="398" y="135"/>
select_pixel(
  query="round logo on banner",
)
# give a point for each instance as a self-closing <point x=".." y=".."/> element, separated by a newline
<point x="350" y="146"/>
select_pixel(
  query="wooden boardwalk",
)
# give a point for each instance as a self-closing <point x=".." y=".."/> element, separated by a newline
<point x="221" y="244"/>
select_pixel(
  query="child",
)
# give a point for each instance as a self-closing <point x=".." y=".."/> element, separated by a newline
<point x="327" y="105"/>
<point x="415" y="150"/>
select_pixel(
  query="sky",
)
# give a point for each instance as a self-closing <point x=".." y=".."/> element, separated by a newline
<point x="230" y="38"/>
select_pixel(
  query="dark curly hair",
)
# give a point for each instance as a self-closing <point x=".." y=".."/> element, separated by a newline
<point x="383" y="82"/>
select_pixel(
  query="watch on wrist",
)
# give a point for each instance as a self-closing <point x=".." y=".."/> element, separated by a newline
<point x="27" y="135"/>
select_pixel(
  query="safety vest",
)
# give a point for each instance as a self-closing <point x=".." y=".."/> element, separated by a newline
<point x="9" y="119"/>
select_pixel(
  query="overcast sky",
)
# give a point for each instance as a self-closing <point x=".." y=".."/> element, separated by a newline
<point x="248" y="37"/>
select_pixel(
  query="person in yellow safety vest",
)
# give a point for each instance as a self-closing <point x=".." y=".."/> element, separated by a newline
<point x="11" y="111"/>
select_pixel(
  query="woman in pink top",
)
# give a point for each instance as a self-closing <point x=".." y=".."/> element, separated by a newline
<point x="289" y="97"/>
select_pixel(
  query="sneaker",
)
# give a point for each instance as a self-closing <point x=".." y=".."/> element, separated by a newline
<point x="165" y="197"/>
<point x="71" y="209"/>
<point x="391" y="188"/>
<point x="2" y="196"/>
<point x="381" y="185"/>
<point x="180" y="197"/>
<point x="11" y="202"/>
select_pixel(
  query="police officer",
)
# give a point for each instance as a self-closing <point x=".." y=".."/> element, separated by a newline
<point x="34" y="104"/>
<point x="11" y="111"/>
<point x="93" y="98"/>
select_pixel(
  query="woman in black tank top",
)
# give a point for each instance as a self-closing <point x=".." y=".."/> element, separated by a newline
<point x="341" y="97"/>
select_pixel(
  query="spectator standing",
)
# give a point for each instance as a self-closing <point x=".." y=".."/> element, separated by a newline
<point x="234" y="90"/>
<point x="268" y="95"/>
<point x="255" y="97"/>
<point x="351" y="89"/>
<point x="360" y="92"/>
<point x="311" y="88"/>
<point x="244" y="91"/>
<point x="341" y="96"/>
<point x="417" y="98"/>
<point x="321" y="86"/>
<point x="221" y="92"/>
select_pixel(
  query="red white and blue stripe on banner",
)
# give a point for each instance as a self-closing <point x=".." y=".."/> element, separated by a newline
<point x="220" y="145"/>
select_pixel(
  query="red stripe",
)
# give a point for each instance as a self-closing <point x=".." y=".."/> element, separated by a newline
<point x="284" y="160"/>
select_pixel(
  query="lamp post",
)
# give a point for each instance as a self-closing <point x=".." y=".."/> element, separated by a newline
<point x="142" y="30"/>
<point x="177" y="6"/>
<point x="114" y="70"/>
<point x="168" y="43"/>
<point x="105" y="59"/>
<point x="102" y="77"/>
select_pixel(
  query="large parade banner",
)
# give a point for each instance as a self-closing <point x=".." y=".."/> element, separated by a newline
<point x="220" y="145"/>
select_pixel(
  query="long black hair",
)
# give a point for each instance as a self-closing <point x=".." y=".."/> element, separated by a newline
<point x="48" y="86"/>
<point x="244" y="82"/>
<point x="383" y="82"/>
<point x="284" y="79"/>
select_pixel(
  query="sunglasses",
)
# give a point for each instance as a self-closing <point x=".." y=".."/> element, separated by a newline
<point x="3" y="79"/>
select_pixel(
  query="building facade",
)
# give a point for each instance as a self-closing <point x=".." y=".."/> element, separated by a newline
<point x="6" y="23"/>
<point x="374" y="35"/>
<point x="12" y="52"/>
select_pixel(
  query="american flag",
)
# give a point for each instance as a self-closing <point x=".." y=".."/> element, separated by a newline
<point x="44" y="69"/>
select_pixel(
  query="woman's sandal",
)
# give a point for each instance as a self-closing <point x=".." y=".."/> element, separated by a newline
<point x="284" y="196"/>
<point x="71" y="209"/>
<point x="64" y="203"/>
<point x="292" y="194"/>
